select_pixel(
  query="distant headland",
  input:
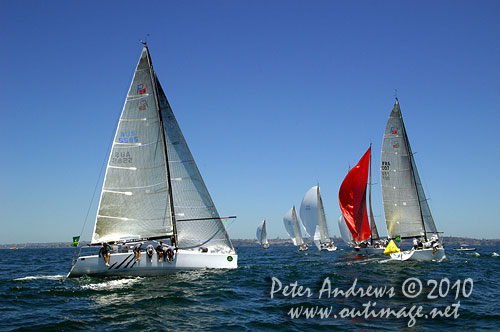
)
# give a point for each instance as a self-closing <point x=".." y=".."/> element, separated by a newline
<point x="449" y="241"/>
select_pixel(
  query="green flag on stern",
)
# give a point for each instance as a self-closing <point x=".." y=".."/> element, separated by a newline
<point x="76" y="239"/>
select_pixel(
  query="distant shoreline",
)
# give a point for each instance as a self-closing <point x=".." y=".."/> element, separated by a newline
<point x="449" y="242"/>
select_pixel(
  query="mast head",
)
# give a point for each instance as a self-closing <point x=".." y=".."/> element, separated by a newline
<point x="396" y="108"/>
<point x="145" y="41"/>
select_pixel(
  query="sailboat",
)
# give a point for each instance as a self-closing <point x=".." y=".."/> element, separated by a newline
<point x="262" y="235"/>
<point x="292" y="227"/>
<point x="407" y="213"/>
<point x="153" y="190"/>
<point x="353" y="203"/>
<point x="313" y="217"/>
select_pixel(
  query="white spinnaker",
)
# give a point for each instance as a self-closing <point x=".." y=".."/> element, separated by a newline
<point x="134" y="199"/>
<point x="309" y="210"/>
<point x="345" y="233"/>
<point x="399" y="192"/>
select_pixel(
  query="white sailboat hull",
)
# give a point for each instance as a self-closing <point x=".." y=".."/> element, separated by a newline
<point x="370" y="251"/>
<point x="125" y="264"/>
<point x="419" y="255"/>
<point x="328" y="247"/>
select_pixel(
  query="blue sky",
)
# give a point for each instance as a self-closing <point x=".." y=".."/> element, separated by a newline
<point x="272" y="97"/>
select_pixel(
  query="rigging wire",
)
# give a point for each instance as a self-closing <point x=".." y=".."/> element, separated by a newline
<point x="79" y="247"/>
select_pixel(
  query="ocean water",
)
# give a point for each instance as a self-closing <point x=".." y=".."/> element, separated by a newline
<point x="35" y="294"/>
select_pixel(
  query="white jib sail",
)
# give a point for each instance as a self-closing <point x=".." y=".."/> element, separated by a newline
<point x="345" y="233"/>
<point x="317" y="238"/>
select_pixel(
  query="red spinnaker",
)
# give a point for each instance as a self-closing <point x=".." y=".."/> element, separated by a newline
<point x="352" y="197"/>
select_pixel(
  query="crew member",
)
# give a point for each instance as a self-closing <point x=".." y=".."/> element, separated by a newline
<point x="106" y="252"/>
<point x="137" y="251"/>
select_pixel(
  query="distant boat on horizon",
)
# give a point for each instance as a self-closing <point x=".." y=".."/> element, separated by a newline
<point x="262" y="234"/>
<point x="292" y="227"/>
<point x="464" y="247"/>
<point x="312" y="214"/>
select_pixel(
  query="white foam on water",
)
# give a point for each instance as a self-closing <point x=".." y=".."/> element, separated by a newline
<point x="112" y="284"/>
<point x="495" y="254"/>
<point x="46" y="277"/>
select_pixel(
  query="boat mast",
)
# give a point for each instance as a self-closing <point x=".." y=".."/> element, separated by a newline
<point x="410" y="155"/>
<point x="167" y="165"/>
<point x="370" y="196"/>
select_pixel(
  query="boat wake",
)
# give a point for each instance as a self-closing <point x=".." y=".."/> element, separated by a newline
<point x="112" y="284"/>
<point x="46" y="277"/>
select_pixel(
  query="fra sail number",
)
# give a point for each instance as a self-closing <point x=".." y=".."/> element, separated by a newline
<point x="386" y="166"/>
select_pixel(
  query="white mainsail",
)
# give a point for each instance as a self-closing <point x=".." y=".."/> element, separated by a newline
<point x="407" y="213"/>
<point x="323" y="227"/>
<point x="262" y="233"/>
<point x="312" y="214"/>
<point x="135" y="202"/>
<point x="292" y="227"/>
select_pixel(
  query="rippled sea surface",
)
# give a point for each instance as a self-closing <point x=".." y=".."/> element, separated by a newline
<point x="37" y="296"/>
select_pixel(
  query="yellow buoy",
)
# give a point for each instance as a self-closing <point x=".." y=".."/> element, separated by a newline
<point x="391" y="248"/>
